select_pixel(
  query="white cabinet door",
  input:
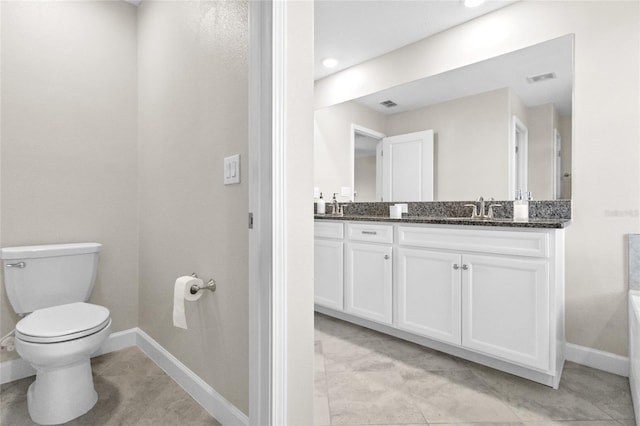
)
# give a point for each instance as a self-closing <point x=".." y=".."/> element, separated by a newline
<point x="505" y="308"/>
<point x="328" y="273"/>
<point x="428" y="288"/>
<point x="368" y="282"/>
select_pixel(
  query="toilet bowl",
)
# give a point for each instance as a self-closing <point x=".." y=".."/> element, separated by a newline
<point x="49" y="285"/>
<point x="58" y="343"/>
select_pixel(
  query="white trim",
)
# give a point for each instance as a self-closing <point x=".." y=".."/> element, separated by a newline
<point x="279" y="215"/>
<point x="260" y="282"/>
<point x="214" y="403"/>
<point x="16" y="369"/>
<point x="600" y="360"/>
<point x="517" y="125"/>
<point x="118" y="340"/>
<point x="356" y="128"/>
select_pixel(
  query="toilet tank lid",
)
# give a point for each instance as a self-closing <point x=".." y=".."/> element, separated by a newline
<point x="48" y="250"/>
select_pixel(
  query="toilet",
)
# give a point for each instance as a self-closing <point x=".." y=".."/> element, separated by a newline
<point x="51" y="284"/>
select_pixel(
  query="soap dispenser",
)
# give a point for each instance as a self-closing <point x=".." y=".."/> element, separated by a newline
<point x="520" y="208"/>
<point x="320" y="205"/>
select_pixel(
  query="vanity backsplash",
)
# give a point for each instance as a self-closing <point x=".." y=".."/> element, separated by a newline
<point x="554" y="209"/>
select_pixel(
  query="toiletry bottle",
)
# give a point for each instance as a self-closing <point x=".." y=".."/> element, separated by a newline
<point x="520" y="208"/>
<point x="320" y="206"/>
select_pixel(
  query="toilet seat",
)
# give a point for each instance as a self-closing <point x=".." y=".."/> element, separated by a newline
<point x="62" y="323"/>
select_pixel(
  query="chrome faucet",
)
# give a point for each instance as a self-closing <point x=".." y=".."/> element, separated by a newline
<point x="481" y="215"/>
<point x="334" y="203"/>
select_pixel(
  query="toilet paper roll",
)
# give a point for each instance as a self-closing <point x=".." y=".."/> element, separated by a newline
<point x="181" y="294"/>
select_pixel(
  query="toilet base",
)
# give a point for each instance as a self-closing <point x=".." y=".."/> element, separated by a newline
<point x="61" y="394"/>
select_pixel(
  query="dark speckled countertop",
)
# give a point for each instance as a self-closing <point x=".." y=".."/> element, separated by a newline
<point x="510" y="223"/>
<point x="542" y="214"/>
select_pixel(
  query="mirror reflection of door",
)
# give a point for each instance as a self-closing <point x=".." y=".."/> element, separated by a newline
<point x="394" y="168"/>
<point x="557" y="165"/>
<point x="367" y="174"/>
<point x="407" y="167"/>
<point x="520" y="159"/>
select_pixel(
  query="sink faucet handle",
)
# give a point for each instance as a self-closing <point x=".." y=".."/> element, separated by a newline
<point x="474" y="213"/>
<point x="491" y="207"/>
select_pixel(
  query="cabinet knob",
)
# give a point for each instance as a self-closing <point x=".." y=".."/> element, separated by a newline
<point x="456" y="266"/>
<point x="465" y="267"/>
<point x="386" y="256"/>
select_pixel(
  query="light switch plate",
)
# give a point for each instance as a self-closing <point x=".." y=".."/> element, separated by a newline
<point x="232" y="169"/>
<point x="345" y="191"/>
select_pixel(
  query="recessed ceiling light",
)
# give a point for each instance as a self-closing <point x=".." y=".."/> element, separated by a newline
<point x="330" y="63"/>
<point x="473" y="3"/>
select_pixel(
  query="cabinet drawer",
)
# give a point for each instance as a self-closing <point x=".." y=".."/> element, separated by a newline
<point x="534" y="244"/>
<point x="370" y="232"/>
<point x="325" y="229"/>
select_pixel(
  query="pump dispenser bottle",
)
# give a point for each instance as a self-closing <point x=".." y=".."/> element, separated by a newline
<point x="320" y="205"/>
<point x="520" y="208"/>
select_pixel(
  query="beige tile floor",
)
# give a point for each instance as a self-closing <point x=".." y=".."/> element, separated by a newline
<point x="367" y="378"/>
<point x="362" y="378"/>
<point x="132" y="390"/>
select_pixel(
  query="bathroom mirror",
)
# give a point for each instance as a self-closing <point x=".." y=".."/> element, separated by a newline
<point x="499" y="125"/>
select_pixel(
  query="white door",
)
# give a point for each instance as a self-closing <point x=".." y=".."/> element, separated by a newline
<point x="505" y="308"/>
<point x="328" y="273"/>
<point x="368" y="290"/>
<point x="407" y="167"/>
<point x="557" y="165"/>
<point x="428" y="289"/>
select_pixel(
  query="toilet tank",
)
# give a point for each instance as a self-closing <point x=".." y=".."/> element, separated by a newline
<point x="37" y="277"/>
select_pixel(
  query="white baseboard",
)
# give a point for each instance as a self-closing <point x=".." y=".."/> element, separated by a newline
<point x="118" y="340"/>
<point x="214" y="403"/>
<point x="16" y="369"/>
<point x="600" y="360"/>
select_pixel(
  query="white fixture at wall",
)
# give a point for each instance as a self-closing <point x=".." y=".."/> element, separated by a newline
<point x="232" y="169"/>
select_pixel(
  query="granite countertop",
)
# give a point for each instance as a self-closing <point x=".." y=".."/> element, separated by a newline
<point x="501" y="222"/>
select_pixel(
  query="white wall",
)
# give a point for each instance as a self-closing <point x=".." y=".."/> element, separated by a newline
<point x="332" y="150"/>
<point x="605" y="150"/>
<point x="69" y="139"/>
<point x="540" y="123"/>
<point x="365" y="178"/>
<point x="565" y="126"/>
<point x="471" y="144"/>
<point x="193" y="103"/>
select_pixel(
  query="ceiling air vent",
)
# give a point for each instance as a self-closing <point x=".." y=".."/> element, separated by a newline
<point x="388" y="103"/>
<point x="541" y="77"/>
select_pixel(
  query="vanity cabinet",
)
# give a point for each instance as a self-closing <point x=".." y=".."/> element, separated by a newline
<point x="493" y="296"/>
<point x="506" y="307"/>
<point x="428" y="293"/>
<point x="369" y="272"/>
<point x="499" y="287"/>
<point x="328" y="253"/>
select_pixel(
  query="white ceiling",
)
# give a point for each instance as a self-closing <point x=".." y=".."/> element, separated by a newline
<point x="510" y="70"/>
<point x="353" y="31"/>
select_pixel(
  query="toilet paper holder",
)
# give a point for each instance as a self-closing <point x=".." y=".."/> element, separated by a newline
<point x="211" y="285"/>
